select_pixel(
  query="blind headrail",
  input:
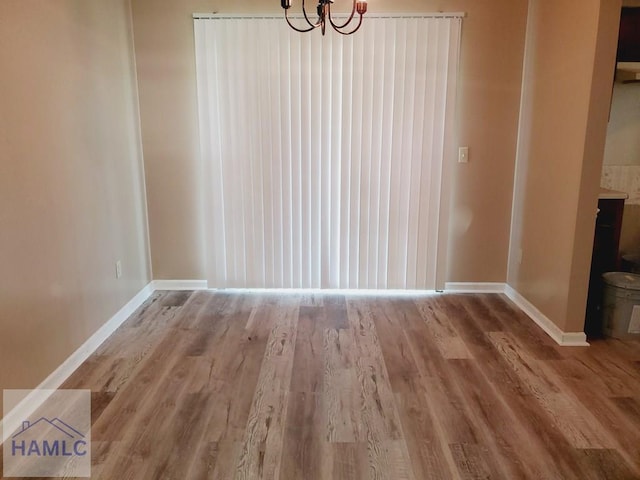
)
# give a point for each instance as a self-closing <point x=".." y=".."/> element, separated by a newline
<point x="221" y="16"/>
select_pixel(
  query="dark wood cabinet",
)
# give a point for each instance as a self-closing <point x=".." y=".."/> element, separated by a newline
<point x="606" y="258"/>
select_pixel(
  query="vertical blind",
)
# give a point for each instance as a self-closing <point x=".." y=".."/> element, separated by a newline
<point x="323" y="155"/>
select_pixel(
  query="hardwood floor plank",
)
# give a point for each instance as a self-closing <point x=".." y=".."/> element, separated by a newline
<point x="470" y="462"/>
<point x="389" y="460"/>
<point x="99" y="401"/>
<point x="379" y="420"/>
<point x="340" y="386"/>
<point x="579" y="373"/>
<point x="148" y="335"/>
<point x="428" y="452"/>
<point x="226" y="455"/>
<point x="261" y="451"/>
<point x="447" y="410"/>
<point x="603" y="464"/>
<point x="446" y="337"/>
<point x="523" y="365"/>
<point x="304" y="440"/>
<point x="350" y="461"/>
<point x="393" y="342"/>
<point x="205" y="459"/>
<point x="362" y="327"/>
<point x="621" y="375"/>
<point x="196" y="305"/>
<point x="308" y="362"/>
<point x="424" y="351"/>
<point x="629" y="407"/>
<point x="182" y="432"/>
<point x="95" y="373"/>
<point x="335" y="308"/>
<point x="175" y="298"/>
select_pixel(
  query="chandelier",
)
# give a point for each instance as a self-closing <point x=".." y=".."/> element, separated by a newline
<point x="324" y="16"/>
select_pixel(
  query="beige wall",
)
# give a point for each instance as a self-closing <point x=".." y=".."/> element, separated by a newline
<point x="569" y="63"/>
<point x="71" y="179"/>
<point x="489" y="93"/>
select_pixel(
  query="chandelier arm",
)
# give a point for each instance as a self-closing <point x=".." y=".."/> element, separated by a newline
<point x="353" y="13"/>
<point x="301" y="30"/>
<point x="352" y="31"/>
<point x="306" y="17"/>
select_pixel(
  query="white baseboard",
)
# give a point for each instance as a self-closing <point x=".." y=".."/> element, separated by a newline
<point x="179" y="285"/>
<point x="565" y="339"/>
<point x="478" y="287"/>
<point x="39" y="395"/>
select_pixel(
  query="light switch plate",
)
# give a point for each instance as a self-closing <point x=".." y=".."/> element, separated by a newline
<point x="463" y="155"/>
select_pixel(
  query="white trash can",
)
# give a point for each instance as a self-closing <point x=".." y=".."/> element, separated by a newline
<point x="621" y="305"/>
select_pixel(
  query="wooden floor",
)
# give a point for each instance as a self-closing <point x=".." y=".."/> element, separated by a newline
<point x="251" y="386"/>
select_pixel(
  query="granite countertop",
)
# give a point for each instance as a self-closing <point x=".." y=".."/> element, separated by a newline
<point x="606" y="194"/>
